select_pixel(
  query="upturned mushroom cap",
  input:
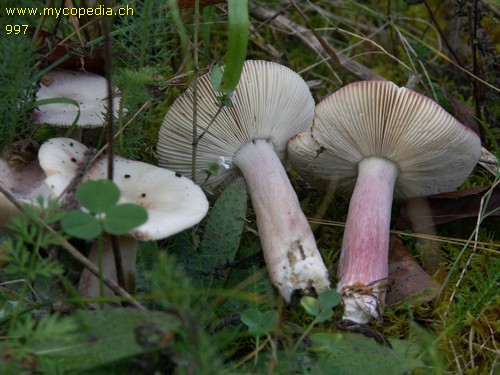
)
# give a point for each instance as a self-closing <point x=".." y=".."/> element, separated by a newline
<point x="88" y="89"/>
<point x="434" y="153"/>
<point x="173" y="202"/>
<point x="271" y="102"/>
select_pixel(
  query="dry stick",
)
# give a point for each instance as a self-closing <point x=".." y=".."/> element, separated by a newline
<point x="212" y="121"/>
<point x="333" y="58"/>
<point x="309" y="39"/>
<point x="77" y="255"/>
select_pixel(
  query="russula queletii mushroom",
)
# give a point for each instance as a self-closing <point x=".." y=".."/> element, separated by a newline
<point x="383" y="141"/>
<point x="271" y="104"/>
<point x="89" y="90"/>
<point x="173" y="202"/>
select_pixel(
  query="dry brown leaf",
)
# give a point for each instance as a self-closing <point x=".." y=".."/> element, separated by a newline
<point x="406" y="277"/>
<point x="448" y="207"/>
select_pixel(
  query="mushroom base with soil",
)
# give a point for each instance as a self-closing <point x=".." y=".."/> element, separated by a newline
<point x="363" y="266"/>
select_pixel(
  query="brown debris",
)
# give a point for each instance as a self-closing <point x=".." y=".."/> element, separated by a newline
<point x="406" y="277"/>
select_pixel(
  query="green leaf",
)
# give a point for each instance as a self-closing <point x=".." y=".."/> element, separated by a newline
<point x="98" y="195"/>
<point x="123" y="218"/>
<point x="237" y="44"/>
<point x="352" y="354"/>
<point x="328" y="299"/>
<point x="323" y="315"/>
<point x="321" y="307"/>
<point x="259" y="323"/>
<point x="216" y="76"/>
<point x="81" y="225"/>
<point x="223" y="231"/>
<point x="310" y="304"/>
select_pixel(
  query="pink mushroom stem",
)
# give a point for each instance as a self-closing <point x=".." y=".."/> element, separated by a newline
<point x="289" y="247"/>
<point x="363" y="267"/>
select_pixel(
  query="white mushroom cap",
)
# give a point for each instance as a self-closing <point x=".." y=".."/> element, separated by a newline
<point x="433" y="152"/>
<point x="173" y="202"/>
<point x="271" y="102"/>
<point x="88" y="89"/>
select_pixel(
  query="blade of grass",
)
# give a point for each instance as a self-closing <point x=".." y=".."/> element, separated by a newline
<point x="455" y="241"/>
<point x="237" y="44"/>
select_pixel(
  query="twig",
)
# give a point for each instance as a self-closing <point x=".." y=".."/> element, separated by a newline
<point x="333" y="58"/>
<point x="307" y="37"/>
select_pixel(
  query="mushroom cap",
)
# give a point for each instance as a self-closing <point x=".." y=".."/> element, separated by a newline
<point x="434" y="153"/>
<point x="270" y="102"/>
<point x="88" y="89"/>
<point x="173" y="202"/>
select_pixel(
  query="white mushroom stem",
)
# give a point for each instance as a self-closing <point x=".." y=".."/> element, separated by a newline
<point x="89" y="283"/>
<point x="363" y="267"/>
<point x="292" y="258"/>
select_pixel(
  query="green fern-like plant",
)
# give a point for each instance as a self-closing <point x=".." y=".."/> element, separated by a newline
<point x="18" y="78"/>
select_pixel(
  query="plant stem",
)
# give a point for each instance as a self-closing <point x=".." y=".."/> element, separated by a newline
<point x="196" y="74"/>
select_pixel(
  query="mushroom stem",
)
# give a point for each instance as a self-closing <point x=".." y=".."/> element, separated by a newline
<point x="292" y="258"/>
<point x="363" y="267"/>
<point x="89" y="283"/>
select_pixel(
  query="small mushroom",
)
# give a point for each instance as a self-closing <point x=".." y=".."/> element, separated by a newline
<point x="383" y="141"/>
<point x="87" y="89"/>
<point x="173" y="203"/>
<point x="270" y="105"/>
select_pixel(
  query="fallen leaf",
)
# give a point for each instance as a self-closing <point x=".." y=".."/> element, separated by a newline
<point x="406" y="277"/>
<point x="446" y="208"/>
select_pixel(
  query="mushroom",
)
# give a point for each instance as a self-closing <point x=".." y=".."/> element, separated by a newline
<point x="173" y="202"/>
<point x="89" y="90"/>
<point x="270" y="105"/>
<point x="383" y="141"/>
